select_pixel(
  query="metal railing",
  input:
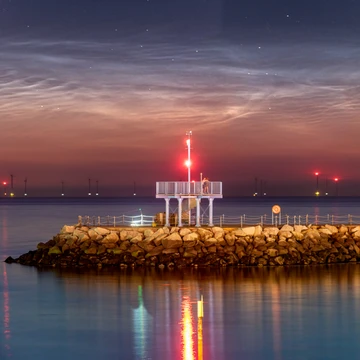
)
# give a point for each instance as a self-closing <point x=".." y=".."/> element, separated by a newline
<point x="224" y="220"/>
<point x="113" y="221"/>
<point x="196" y="188"/>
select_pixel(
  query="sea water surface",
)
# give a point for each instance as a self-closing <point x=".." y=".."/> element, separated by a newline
<point x="249" y="313"/>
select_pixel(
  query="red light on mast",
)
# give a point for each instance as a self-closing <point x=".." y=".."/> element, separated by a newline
<point x="4" y="183"/>
<point x="336" y="179"/>
<point x="316" y="173"/>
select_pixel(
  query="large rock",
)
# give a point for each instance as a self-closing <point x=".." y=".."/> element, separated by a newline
<point x="185" y="231"/>
<point x="230" y="239"/>
<point x="270" y="231"/>
<point x="239" y="232"/>
<point x="313" y="235"/>
<point x="101" y="231"/>
<point x="172" y="241"/>
<point x="258" y="230"/>
<point x="249" y="230"/>
<point x="272" y="252"/>
<point x="204" y="233"/>
<point x="210" y="242"/>
<point x="287" y="227"/>
<point x="156" y="251"/>
<point x="146" y="245"/>
<point x="158" y="240"/>
<point x="190" y="253"/>
<point x="300" y="228"/>
<point x="94" y="235"/>
<point x="156" y="234"/>
<point x="66" y="229"/>
<point x="191" y="237"/>
<point x="110" y="238"/>
<point x="332" y="229"/>
<point x="54" y="251"/>
<point x="148" y="232"/>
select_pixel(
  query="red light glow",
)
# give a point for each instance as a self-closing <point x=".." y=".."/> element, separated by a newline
<point x="316" y="173"/>
<point x="4" y="183"/>
<point x="336" y="179"/>
<point x="187" y="163"/>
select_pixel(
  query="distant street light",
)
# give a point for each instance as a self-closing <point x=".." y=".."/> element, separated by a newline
<point x="317" y="193"/>
<point x="5" y="183"/>
<point x="337" y="186"/>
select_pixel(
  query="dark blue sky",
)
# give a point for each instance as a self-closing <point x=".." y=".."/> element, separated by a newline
<point x="107" y="89"/>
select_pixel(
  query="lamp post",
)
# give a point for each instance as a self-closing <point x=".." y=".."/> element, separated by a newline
<point x="188" y="163"/>
<point x="317" y="184"/>
<point x="336" y="186"/>
<point x="25" y="187"/>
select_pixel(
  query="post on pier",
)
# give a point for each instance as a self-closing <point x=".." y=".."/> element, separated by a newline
<point x="198" y="201"/>
<point x="211" y="200"/>
<point x="167" y="206"/>
<point x="180" y="211"/>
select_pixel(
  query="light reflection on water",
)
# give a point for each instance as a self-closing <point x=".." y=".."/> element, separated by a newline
<point x="187" y="331"/>
<point x="249" y="313"/>
<point x="6" y="311"/>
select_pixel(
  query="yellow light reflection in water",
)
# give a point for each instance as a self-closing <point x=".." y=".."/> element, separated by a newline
<point x="187" y="330"/>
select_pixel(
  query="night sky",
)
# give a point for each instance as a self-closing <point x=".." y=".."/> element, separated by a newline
<point x="107" y="89"/>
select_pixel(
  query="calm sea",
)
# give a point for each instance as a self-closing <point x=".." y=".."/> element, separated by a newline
<point x="250" y="313"/>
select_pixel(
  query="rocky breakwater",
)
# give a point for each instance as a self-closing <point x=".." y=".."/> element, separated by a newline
<point x="81" y="246"/>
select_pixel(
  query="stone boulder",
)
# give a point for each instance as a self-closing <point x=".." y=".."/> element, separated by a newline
<point x="101" y="231"/>
<point x="287" y="227"/>
<point x="185" y="231"/>
<point x="55" y="251"/>
<point x="110" y="238"/>
<point x="270" y="231"/>
<point x="332" y="229"/>
<point x="210" y="242"/>
<point x="66" y="229"/>
<point x="249" y="230"/>
<point x="172" y="241"/>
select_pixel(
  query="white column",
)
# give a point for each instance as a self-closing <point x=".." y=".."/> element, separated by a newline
<point x="211" y="200"/>
<point x="167" y="205"/>
<point x="198" y="201"/>
<point x="180" y="212"/>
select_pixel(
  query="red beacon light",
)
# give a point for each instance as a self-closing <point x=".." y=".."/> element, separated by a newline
<point x="188" y="163"/>
<point x="4" y="183"/>
<point x="336" y="179"/>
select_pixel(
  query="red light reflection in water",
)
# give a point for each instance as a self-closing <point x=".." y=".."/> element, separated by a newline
<point x="7" y="333"/>
<point x="187" y="330"/>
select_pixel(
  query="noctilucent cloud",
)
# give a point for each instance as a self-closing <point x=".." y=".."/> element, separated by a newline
<point x="107" y="90"/>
